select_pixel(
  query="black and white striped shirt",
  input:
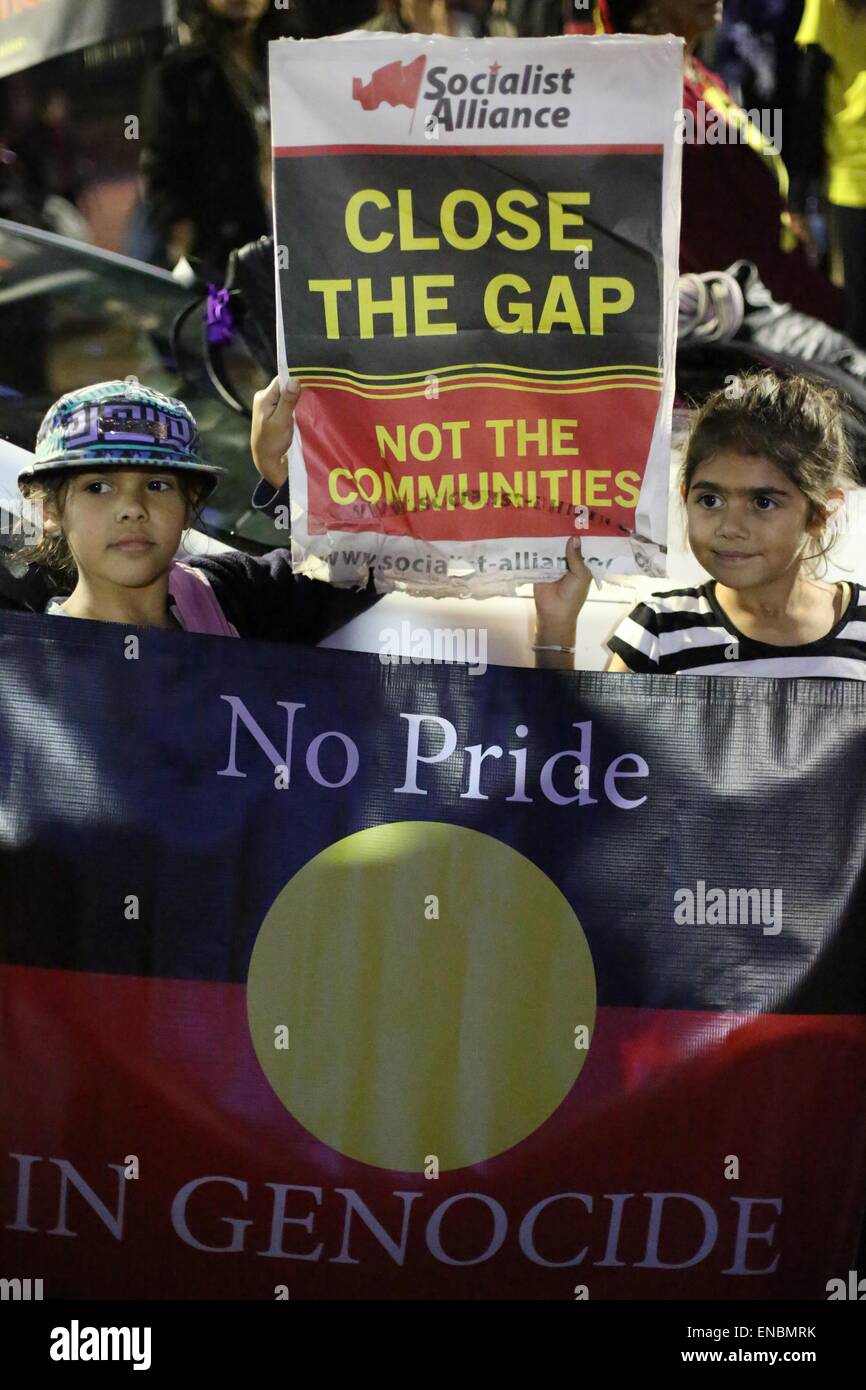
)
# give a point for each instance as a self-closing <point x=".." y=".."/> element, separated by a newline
<point x="685" y="632"/>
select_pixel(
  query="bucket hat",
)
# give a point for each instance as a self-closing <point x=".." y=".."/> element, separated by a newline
<point x="119" y="424"/>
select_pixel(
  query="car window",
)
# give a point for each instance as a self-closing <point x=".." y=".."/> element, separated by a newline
<point x="71" y="316"/>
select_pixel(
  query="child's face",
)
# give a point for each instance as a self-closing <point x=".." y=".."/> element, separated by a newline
<point x="123" y="525"/>
<point x="748" y="522"/>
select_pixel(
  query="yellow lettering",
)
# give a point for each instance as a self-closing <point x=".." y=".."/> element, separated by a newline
<point x="553" y="475"/>
<point x="527" y="436"/>
<point x="406" y="222"/>
<point x="365" y="473"/>
<point x="508" y="213"/>
<point x="448" y="220"/>
<point x="370" y="308"/>
<point x="560" y="293"/>
<point x="415" y="443"/>
<point x="562" y="436"/>
<point x="455" y="428"/>
<point x="437" y="499"/>
<point x="501" y="486"/>
<point x="521" y="322"/>
<point x="353" y="220"/>
<point x="597" y="305"/>
<point x="596" y="491"/>
<point x="424" y="305"/>
<point x="499" y="427"/>
<point x="632" y="490"/>
<point x="329" y="289"/>
<point x="476" y="498"/>
<point x="403" y="492"/>
<point x="561" y="220"/>
<point x="397" y="446"/>
<point x="333" y="477"/>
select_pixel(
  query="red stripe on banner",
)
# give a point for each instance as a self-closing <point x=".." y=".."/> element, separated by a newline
<point x="620" y="1189"/>
<point x="296" y="152"/>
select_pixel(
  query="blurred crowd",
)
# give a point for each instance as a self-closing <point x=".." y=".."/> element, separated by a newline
<point x="794" y="209"/>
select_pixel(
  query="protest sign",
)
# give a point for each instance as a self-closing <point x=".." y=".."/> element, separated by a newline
<point x="476" y="273"/>
<point x="324" y="978"/>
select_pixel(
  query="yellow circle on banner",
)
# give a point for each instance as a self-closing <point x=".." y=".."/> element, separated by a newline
<point x="395" y="1035"/>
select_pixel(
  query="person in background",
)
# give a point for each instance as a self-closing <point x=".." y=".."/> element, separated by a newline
<point x="832" y="137"/>
<point x="42" y="171"/>
<point x="540" y="19"/>
<point x="457" y="18"/>
<point x="22" y="185"/>
<point x="734" y="193"/>
<point x="755" y="52"/>
<point x="206" y="157"/>
<point x="310" y="19"/>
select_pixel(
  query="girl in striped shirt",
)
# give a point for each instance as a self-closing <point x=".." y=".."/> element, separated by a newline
<point x="762" y="481"/>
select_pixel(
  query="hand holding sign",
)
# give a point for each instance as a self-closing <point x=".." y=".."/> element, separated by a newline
<point x="558" y="604"/>
<point x="273" y="429"/>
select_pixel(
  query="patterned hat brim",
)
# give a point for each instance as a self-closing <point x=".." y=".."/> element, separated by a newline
<point x="171" y="463"/>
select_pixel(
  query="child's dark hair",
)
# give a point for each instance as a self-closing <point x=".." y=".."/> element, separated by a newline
<point x="792" y="421"/>
<point x="51" y="549"/>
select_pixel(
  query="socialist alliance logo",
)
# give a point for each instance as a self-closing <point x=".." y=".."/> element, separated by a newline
<point x="493" y="98"/>
<point x="397" y="84"/>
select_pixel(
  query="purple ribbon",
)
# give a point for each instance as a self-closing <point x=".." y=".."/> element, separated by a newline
<point x="220" y="322"/>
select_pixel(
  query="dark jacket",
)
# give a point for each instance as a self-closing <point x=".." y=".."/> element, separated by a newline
<point x="259" y="594"/>
<point x="806" y="156"/>
<point x="200" y="155"/>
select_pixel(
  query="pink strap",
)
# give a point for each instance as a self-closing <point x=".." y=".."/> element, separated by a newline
<point x="195" y="602"/>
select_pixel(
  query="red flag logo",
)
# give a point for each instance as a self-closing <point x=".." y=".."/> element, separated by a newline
<point x="397" y="83"/>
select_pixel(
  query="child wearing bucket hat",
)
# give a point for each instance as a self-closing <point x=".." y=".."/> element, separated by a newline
<point x="119" y="475"/>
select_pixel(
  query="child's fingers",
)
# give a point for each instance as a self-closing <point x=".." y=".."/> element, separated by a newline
<point x="266" y="401"/>
<point x="577" y="567"/>
<point x="574" y="556"/>
<point x="285" y="406"/>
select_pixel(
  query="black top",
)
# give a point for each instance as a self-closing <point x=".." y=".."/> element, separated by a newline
<point x="200" y="154"/>
<point x="805" y="154"/>
<point x="686" y="631"/>
<point x="259" y="594"/>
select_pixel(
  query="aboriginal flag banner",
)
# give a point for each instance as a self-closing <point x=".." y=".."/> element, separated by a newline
<point x="325" y="978"/>
<point x="476" y="252"/>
